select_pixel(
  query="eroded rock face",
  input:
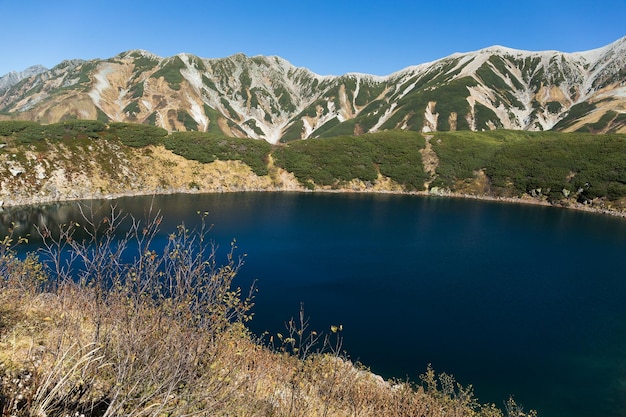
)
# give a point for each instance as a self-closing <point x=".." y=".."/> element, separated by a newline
<point x="105" y="171"/>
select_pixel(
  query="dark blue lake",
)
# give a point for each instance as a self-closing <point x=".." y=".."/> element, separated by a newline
<point x="515" y="300"/>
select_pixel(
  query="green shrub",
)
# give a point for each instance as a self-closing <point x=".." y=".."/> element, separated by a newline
<point x="461" y="154"/>
<point x="328" y="130"/>
<point x="137" y="90"/>
<point x="588" y="166"/>
<point x="132" y="108"/>
<point x="601" y="124"/>
<point x="554" y="107"/>
<point x="137" y="135"/>
<point x="294" y="132"/>
<point x="151" y="119"/>
<point x="251" y="123"/>
<point x="102" y="116"/>
<point x="398" y="157"/>
<point x="68" y="129"/>
<point x="483" y="116"/>
<point x="143" y="63"/>
<point x="9" y="127"/>
<point x="335" y="161"/>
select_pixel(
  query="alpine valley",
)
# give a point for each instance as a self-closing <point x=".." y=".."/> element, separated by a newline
<point x="268" y="98"/>
<point x="169" y="331"/>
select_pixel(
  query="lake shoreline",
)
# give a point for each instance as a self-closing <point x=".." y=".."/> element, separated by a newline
<point x="37" y="201"/>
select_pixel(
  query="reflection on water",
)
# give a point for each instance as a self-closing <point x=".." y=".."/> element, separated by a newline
<point x="513" y="299"/>
<point x="26" y="221"/>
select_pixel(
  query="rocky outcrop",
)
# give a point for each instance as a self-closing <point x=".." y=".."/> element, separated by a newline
<point x="104" y="170"/>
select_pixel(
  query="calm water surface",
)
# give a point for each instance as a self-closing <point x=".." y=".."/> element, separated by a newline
<point x="519" y="300"/>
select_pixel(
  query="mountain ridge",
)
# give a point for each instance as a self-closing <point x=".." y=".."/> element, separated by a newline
<point x="13" y="77"/>
<point x="267" y="97"/>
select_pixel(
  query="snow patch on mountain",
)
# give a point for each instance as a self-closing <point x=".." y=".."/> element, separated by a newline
<point x="191" y="73"/>
<point x="386" y="115"/>
<point x="470" y="64"/>
<point x="102" y="83"/>
<point x="196" y="112"/>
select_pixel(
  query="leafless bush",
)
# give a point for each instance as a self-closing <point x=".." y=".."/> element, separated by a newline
<point x="124" y="328"/>
<point x="139" y="323"/>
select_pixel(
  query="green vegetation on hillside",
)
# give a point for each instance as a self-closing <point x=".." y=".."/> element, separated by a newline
<point x="77" y="146"/>
<point x="294" y="132"/>
<point x="132" y="109"/>
<point x="449" y="98"/>
<point x="137" y="136"/>
<point x="205" y="148"/>
<point x="583" y="166"/>
<point x="462" y="154"/>
<point x="30" y="132"/>
<point x="187" y="121"/>
<point x="213" y="116"/>
<point x="576" y="112"/>
<point x="170" y="71"/>
<point x="334" y="128"/>
<point x="142" y="62"/>
<point x="610" y="118"/>
<point x="336" y="161"/>
<point x="551" y="164"/>
<point x="137" y="90"/>
<point x="10" y="127"/>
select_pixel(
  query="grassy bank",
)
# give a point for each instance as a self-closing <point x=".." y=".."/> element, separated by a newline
<point x="124" y="330"/>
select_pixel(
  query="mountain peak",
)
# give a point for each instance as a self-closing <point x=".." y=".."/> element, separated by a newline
<point x="14" y="77"/>
<point x="266" y="97"/>
<point x="137" y="53"/>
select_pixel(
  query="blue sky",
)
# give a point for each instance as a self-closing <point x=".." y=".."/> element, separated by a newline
<point x="326" y="36"/>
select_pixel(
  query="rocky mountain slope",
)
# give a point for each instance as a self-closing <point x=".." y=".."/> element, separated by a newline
<point x="14" y="77"/>
<point x="268" y="98"/>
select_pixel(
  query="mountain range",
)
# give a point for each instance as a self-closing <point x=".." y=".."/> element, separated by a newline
<point x="268" y="98"/>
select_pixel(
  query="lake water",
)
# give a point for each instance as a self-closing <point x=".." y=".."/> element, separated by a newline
<point x="516" y="300"/>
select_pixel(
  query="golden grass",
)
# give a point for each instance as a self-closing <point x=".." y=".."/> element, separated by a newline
<point x="80" y="349"/>
<point x="48" y="339"/>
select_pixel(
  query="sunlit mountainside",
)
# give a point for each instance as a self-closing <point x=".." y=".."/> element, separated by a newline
<point x="268" y="98"/>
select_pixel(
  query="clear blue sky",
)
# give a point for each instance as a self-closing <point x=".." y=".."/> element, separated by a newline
<point x="326" y="36"/>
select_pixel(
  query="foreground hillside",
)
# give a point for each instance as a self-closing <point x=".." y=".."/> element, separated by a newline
<point x="126" y="330"/>
<point x="88" y="159"/>
<point x="268" y="98"/>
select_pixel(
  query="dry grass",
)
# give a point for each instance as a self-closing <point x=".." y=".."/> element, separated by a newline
<point x="165" y="335"/>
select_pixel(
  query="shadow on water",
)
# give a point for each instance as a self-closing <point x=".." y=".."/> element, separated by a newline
<point x="519" y="300"/>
